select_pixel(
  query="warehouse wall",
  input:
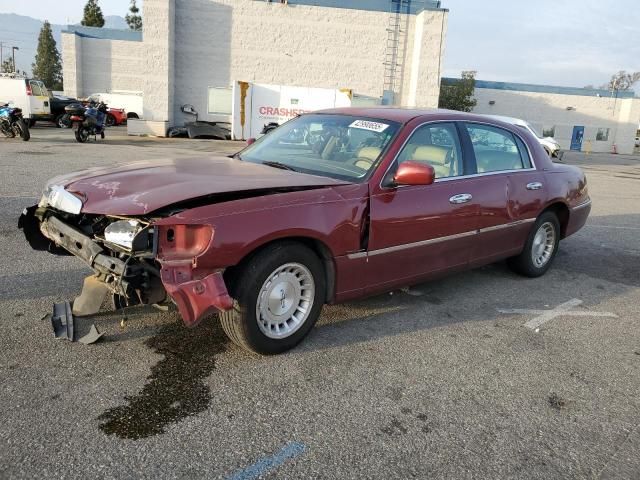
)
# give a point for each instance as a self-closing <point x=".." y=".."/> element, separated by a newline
<point x="92" y="65"/>
<point x="620" y="115"/>
<point x="299" y="45"/>
<point x="188" y="46"/>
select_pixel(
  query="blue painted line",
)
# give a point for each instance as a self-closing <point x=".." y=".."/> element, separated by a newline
<point x="262" y="466"/>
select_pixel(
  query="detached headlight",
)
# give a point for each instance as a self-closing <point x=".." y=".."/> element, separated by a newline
<point x="57" y="197"/>
<point x="122" y="232"/>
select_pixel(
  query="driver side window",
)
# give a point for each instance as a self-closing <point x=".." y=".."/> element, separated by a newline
<point x="438" y="145"/>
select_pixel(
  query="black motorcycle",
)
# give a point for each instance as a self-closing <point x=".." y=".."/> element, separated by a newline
<point x="87" y="121"/>
<point x="12" y="124"/>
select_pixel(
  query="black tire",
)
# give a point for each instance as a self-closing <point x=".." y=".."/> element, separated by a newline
<point x="62" y="121"/>
<point x="524" y="263"/>
<point x="133" y="115"/>
<point x="25" y="135"/>
<point x="111" y="120"/>
<point x="241" y="324"/>
<point x="82" y="134"/>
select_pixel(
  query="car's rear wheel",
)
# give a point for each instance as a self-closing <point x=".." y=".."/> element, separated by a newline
<point x="111" y="120"/>
<point x="278" y="294"/>
<point x="541" y="247"/>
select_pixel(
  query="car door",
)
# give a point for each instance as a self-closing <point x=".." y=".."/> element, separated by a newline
<point x="508" y="189"/>
<point x="417" y="231"/>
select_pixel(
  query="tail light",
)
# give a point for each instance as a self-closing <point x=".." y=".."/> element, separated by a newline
<point x="183" y="242"/>
<point x="29" y="91"/>
<point x="76" y="118"/>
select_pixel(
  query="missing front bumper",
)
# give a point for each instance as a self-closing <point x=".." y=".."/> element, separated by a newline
<point x="194" y="297"/>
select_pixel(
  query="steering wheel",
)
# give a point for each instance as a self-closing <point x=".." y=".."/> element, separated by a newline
<point x="363" y="163"/>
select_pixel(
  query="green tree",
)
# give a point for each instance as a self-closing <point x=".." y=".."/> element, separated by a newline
<point x="133" y="18"/>
<point x="92" y="15"/>
<point x="7" y="66"/>
<point x="622" y="81"/>
<point x="457" y="94"/>
<point x="48" y="66"/>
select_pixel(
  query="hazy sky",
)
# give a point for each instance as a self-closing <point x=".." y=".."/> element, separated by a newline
<point x="556" y="42"/>
<point x="61" y="11"/>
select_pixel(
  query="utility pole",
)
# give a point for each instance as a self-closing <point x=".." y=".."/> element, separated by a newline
<point x="1" y="59"/>
<point x="13" y="51"/>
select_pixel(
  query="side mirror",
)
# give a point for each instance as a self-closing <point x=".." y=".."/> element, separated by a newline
<point x="251" y="141"/>
<point x="414" y="173"/>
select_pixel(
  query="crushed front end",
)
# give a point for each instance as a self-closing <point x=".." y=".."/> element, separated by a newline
<point x="132" y="259"/>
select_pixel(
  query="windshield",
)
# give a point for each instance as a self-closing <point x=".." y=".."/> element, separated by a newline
<point x="343" y="147"/>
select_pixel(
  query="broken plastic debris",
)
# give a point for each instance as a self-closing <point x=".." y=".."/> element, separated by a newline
<point x="92" y="337"/>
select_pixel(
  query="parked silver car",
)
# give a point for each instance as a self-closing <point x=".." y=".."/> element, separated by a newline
<point x="550" y="144"/>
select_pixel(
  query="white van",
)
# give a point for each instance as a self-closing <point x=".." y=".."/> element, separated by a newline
<point x="28" y="94"/>
<point x="129" y="101"/>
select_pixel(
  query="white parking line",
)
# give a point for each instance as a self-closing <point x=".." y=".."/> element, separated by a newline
<point x="564" y="309"/>
<point x="617" y="227"/>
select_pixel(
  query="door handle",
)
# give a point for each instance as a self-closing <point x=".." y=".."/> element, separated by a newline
<point x="534" y="186"/>
<point x="460" y="198"/>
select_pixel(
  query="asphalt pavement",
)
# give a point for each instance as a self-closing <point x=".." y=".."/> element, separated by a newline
<point x="443" y="380"/>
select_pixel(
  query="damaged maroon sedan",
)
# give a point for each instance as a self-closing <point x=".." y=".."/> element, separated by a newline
<point x="329" y="207"/>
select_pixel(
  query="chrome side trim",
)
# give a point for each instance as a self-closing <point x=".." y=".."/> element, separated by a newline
<point x="422" y="243"/>
<point x="506" y="225"/>
<point x="433" y="241"/>
<point x="581" y="206"/>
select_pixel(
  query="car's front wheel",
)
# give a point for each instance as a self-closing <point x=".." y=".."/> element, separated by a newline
<point x="278" y="294"/>
<point x="541" y="247"/>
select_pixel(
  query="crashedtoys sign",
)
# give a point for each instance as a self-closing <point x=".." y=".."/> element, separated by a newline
<point x="255" y="105"/>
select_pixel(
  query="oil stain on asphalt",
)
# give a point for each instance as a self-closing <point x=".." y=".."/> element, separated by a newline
<point x="175" y="389"/>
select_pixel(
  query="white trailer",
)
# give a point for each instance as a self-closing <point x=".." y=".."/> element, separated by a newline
<point x="256" y="105"/>
<point x="130" y="101"/>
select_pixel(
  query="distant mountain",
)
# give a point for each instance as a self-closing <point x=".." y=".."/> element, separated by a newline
<point x="22" y="32"/>
<point x="115" y="21"/>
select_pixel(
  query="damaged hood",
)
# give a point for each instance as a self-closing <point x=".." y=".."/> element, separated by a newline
<point x="143" y="187"/>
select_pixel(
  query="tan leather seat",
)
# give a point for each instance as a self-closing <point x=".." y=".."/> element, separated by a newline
<point x="436" y="156"/>
<point x="495" y="161"/>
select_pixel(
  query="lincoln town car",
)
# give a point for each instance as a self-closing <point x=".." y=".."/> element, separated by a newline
<point x="329" y="207"/>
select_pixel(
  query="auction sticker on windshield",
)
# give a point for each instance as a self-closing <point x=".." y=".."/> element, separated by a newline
<point x="367" y="125"/>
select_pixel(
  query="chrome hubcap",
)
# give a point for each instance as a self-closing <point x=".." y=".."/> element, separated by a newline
<point x="544" y="243"/>
<point x="285" y="300"/>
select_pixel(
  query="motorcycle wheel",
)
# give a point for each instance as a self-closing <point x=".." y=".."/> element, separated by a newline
<point x="22" y="130"/>
<point x="8" y="132"/>
<point x="82" y="134"/>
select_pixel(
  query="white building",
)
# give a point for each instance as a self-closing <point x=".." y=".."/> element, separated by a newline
<point x="193" y="51"/>
<point x="578" y="118"/>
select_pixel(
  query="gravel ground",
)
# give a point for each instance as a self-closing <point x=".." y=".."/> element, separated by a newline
<point x="430" y="383"/>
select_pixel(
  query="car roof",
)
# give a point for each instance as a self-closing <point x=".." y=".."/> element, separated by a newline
<point x="404" y="115"/>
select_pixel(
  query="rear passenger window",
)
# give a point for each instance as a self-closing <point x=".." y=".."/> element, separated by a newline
<point x="495" y="149"/>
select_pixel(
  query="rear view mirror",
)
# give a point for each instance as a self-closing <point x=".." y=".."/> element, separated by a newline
<point x="414" y="173"/>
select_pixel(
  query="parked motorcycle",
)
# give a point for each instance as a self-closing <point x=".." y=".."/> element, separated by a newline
<point x="89" y="121"/>
<point x="12" y="124"/>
